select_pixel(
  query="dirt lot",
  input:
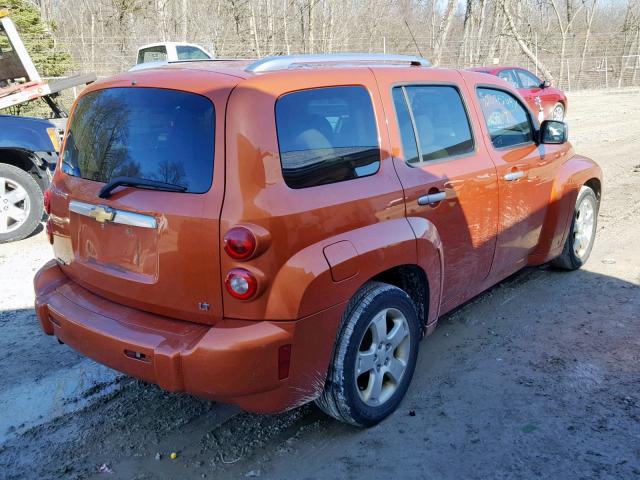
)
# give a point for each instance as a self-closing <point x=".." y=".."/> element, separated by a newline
<point x="537" y="378"/>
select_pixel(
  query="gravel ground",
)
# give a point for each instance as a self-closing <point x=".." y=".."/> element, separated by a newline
<point x="537" y="378"/>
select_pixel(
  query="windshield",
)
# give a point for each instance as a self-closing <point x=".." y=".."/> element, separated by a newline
<point x="148" y="133"/>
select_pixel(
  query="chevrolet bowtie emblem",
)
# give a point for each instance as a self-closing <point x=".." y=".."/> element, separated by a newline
<point x="102" y="214"/>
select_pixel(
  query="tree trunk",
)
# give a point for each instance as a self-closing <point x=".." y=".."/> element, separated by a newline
<point x="310" y="25"/>
<point x="564" y="31"/>
<point x="184" y="11"/>
<point x="286" y="30"/>
<point x="478" y="50"/>
<point x="254" y="28"/>
<point x="522" y="44"/>
<point x="467" y="25"/>
<point x="590" y="15"/>
<point x="443" y="31"/>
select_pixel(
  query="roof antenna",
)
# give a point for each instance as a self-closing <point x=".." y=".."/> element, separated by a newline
<point x="414" y="38"/>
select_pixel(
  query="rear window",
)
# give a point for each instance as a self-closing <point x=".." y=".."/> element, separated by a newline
<point x="152" y="54"/>
<point x="327" y="135"/>
<point x="149" y="133"/>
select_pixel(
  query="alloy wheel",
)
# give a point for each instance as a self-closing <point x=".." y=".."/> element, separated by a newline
<point x="14" y="205"/>
<point x="382" y="357"/>
<point x="583" y="230"/>
<point x="558" y="113"/>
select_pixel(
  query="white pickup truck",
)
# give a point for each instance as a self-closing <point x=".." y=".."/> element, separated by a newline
<point x="171" y="52"/>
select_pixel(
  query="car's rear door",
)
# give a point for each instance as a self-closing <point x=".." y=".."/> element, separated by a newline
<point x="447" y="176"/>
<point x="150" y="249"/>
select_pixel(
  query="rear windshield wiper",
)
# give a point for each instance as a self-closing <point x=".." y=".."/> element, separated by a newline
<point x="105" y="192"/>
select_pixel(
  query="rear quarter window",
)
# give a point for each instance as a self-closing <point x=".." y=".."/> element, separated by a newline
<point x="327" y="135"/>
<point x="149" y="133"/>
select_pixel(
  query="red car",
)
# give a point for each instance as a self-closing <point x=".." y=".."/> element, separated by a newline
<point x="549" y="102"/>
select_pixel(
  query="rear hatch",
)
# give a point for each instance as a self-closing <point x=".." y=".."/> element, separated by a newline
<point x="152" y="243"/>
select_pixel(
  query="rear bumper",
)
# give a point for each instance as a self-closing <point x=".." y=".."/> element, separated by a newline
<point x="234" y="361"/>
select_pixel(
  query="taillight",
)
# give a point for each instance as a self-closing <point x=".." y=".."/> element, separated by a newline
<point x="241" y="283"/>
<point x="47" y="201"/>
<point x="239" y="243"/>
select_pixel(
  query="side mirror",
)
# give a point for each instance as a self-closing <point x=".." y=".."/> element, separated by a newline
<point x="553" y="132"/>
<point x="545" y="84"/>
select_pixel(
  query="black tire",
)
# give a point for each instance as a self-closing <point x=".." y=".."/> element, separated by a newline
<point x="19" y="230"/>
<point x="341" y="397"/>
<point x="569" y="259"/>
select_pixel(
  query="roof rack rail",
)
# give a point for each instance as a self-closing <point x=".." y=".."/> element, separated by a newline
<point x="283" y="62"/>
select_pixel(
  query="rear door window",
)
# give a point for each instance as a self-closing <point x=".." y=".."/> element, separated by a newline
<point x="507" y="119"/>
<point x="439" y="120"/>
<point x="149" y="133"/>
<point x="327" y="135"/>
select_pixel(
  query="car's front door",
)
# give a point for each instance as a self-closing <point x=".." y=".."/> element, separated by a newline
<point x="525" y="176"/>
<point x="447" y="176"/>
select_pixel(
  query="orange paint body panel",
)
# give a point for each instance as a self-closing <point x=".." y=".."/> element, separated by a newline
<point x="235" y="361"/>
<point x="143" y="291"/>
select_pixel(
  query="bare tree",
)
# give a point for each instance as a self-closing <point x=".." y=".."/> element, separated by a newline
<point x="523" y="45"/>
<point x="590" y="12"/>
<point x="443" y="31"/>
<point x="565" y="26"/>
<point x="546" y="35"/>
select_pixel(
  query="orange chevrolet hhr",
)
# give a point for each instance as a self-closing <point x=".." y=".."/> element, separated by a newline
<point x="272" y="233"/>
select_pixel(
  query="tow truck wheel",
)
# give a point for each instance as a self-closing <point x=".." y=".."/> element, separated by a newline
<point x="21" y="205"/>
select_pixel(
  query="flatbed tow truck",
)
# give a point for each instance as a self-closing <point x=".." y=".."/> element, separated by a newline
<point x="28" y="146"/>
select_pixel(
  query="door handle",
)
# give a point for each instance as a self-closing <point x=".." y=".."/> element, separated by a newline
<point x="512" y="176"/>
<point x="431" y="198"/>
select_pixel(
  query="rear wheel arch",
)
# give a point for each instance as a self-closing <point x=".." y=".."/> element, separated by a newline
<point x="384" y="250"/>
<point x="413" y="280"/>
